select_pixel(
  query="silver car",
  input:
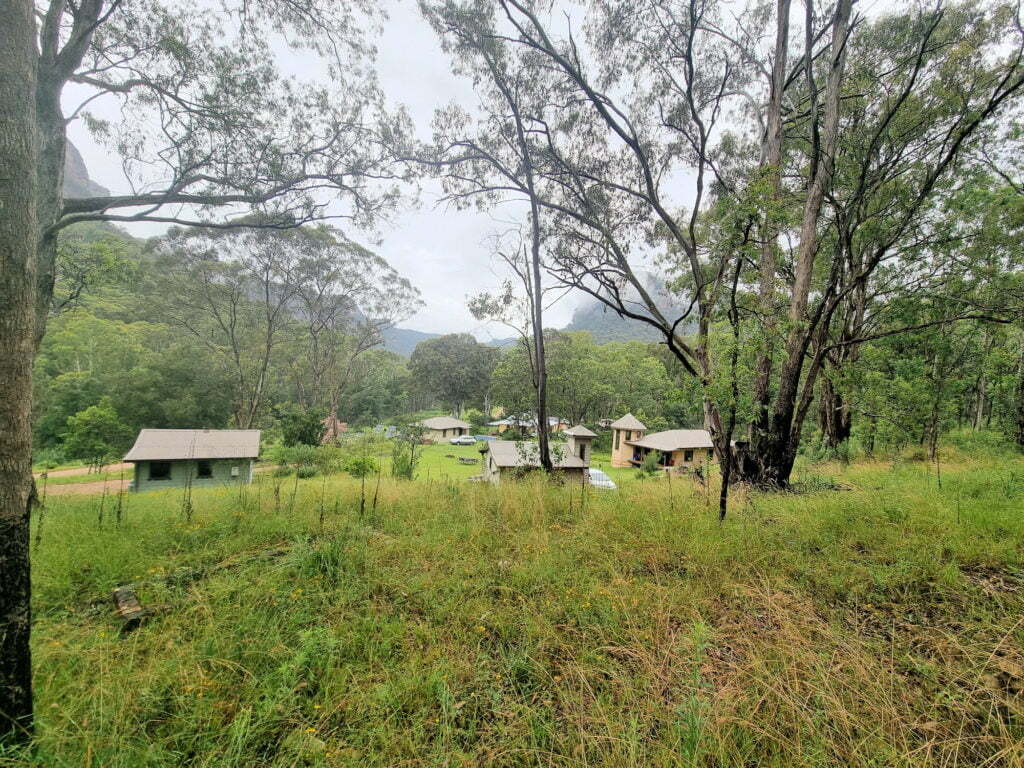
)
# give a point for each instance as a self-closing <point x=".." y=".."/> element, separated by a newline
<point x="463" y="440"/>
<point x="600" y="479"/>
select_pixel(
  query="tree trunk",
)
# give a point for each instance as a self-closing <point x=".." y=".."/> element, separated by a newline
<point x="834" y="416"/>
<point x="1020" y="393"/>
<point x="981" y="389"/>
<point x="773" y="450"/>
<point x="771" y="163"/>
<point x="19" y="238"/>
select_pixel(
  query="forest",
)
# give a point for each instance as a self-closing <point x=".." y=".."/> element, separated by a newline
<point x="798" y="227"/>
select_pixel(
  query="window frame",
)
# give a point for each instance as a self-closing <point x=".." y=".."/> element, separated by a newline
<point x="200" y="463"/>
<point x="151" y="476"/>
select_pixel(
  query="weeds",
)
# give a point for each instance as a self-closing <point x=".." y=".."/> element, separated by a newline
<point x="529" y="625"/>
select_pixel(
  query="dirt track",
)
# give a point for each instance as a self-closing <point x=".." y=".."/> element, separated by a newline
<point x="83" y="470"/>
<point x="63" y="489"/>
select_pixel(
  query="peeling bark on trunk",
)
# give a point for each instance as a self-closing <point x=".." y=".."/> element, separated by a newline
<point x="19" y="237"/>
<point x="773" y="449"/>
<point x="771" y="162"/>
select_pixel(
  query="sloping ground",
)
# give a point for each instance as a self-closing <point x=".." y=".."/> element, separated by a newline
<point x="464" y="625"/>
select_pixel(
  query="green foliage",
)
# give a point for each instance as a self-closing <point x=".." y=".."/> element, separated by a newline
<point x="97" y="434"/>
<point x="405" y="454"/>
<point x="304" y="471"/>
<point x="361" y="466"/>
<point x="454" y="370"/>
<point x="477" y="418"/>
<point x="649" y="467"/>
<point x="298" y="425"/>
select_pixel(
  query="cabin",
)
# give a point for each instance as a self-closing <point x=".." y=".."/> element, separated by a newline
<point x="578" y="442"/>
<point x="677" y="449"/>
<point x="441" y="428"/>
<point x="527" y="423"/>
<point x="174" y="458"/>
<point x="511" y="458"/>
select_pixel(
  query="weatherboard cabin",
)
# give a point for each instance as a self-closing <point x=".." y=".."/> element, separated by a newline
<point x="677" y="449"/>
<point x="441" y="428"/>
<point x="514" y="459"/>
<point x="174" y="458"/>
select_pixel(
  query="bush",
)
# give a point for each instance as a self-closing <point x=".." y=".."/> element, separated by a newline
<point x="304" y="471"/>
<point x="325" y="459"/>
<point x="361" y="466"/>
<point x="650" y="467"/>
<point x="283" y="471"/>
<point x="49" y="458"/>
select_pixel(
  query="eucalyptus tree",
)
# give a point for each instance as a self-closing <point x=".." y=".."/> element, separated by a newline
<point x="494" y="160"/>
<point x="908" y="125"/>
<point x="865" y="150"/>
<point x="207" y="129"/>
<point x="346" y="296"/>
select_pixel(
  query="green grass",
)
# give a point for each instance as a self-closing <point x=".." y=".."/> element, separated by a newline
<point x="435" y="462"/>
<point x="460" y="624"/>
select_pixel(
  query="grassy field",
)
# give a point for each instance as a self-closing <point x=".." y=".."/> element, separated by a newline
<point x="456" y="624"/>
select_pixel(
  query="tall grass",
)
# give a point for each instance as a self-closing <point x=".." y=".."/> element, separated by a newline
<point x="466" y="625"/>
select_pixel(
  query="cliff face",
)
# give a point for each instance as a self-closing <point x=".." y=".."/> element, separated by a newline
<point x="76" y="176"/>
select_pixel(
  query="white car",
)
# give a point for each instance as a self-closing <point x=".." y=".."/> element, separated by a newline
<point x="463" y="440"/>
<point x="600" y="479"/>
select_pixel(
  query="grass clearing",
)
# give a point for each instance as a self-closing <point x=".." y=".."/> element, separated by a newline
<point x="460" y="624"/>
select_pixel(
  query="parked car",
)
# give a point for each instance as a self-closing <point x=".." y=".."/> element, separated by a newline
<point x="600" y="479"/>
<point x="463" y="440"/>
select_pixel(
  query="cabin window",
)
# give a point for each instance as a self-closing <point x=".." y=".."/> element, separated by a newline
<point x="159" y="470"/>
<point x="711" y="453"/>
<point x="617" y="433"/>
<point x="204" y="468"/>
<point x="583" y="452"/>
<point x="687" y="456"/>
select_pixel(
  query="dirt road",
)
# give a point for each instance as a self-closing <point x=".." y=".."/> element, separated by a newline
<point x="84" y="470"/>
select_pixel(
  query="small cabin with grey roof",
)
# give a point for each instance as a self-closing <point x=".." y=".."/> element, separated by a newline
<point x="174" y="458"/>
<point x="516" y="458"/>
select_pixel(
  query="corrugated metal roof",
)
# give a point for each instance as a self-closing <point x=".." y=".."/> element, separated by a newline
<point x="172" y="444"/>
<point x="674" y="440"/>
<point x="512" y="453"/>
<point x="444" y="422"/>
<point x="580" y="431"/>
<point x="629" y="421"/>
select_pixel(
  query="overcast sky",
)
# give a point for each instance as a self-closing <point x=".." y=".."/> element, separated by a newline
<point x="444" y="252"/>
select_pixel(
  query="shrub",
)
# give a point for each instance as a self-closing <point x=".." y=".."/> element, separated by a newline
<point x="304" y="471"/>
<point x="361" y="466"/>
<point x="650" y="466"/>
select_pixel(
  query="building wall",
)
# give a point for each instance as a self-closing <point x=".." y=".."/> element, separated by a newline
<point x="622" y="455"/>
<point x="444" y="435"/>
<point x="183" y="470"/>
<point x="577" y="445"/>
<point x="492" y="472"/>
<point x="698" y="457"/>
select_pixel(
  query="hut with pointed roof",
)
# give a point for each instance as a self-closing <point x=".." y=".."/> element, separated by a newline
<point x="624" y="429"/>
